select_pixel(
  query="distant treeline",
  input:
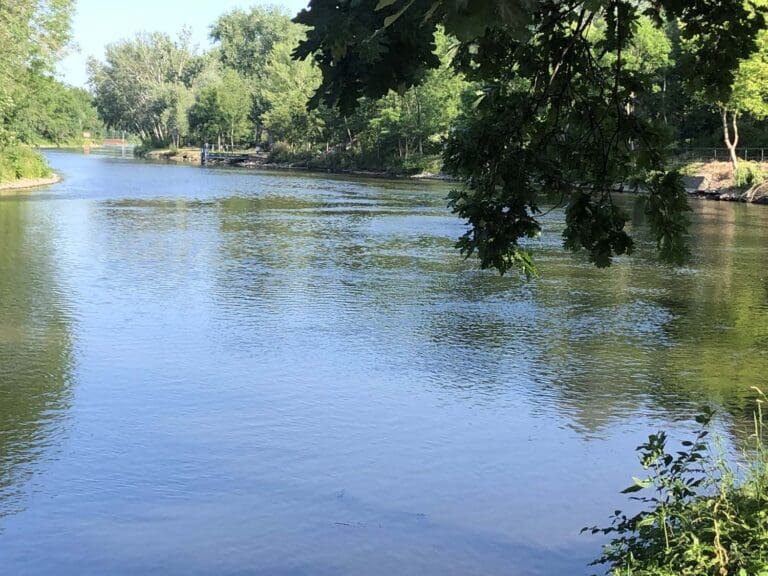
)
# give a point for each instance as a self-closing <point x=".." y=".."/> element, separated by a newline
<point x="248" y="91"/>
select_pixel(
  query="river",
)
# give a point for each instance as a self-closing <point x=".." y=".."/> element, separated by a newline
<point x="212" y="371"/>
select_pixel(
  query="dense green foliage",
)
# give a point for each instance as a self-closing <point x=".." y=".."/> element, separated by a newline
<point x="33" y="34"/>
<point x="249" y="92"/>
<point x="567" y="103"/>
<point x="698" y="519"/>
<point x="53" y="113"/>
<point x="748" y="174"/>
<point x="145" y="86"/>
<point x="35" y="108"/>
<point x="19" y="161"/>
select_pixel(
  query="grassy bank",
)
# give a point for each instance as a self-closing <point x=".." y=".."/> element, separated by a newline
<point x="19" y="162"/>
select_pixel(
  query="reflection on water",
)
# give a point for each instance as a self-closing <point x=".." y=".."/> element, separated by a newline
<point x="35" y="350"/>
<point x="294" y="374"/>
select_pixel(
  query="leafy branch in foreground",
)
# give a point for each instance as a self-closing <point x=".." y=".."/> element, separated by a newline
<point x="698" y="520"/>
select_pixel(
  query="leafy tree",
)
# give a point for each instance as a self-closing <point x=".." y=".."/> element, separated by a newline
<point x="221" y="109"/>
<point x="236" y="96"/>
<point x="206" y="116"/>
<point x="144" y="85"/>
<point x="749" y="95"/>
<point x="288" y="86"/>
<point x="553" y="113"/>
<point x="246" y="39"/>
<point x="33" y="35"/>
<point x="52" y="112"/>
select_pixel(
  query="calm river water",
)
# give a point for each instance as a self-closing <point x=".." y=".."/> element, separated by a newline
<point x="227" y="372"/>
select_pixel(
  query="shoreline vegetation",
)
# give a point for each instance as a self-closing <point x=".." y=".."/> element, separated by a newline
<point x="700" y="513"/>
<point x="21" y="166"/>
<point x="265" y="161"/>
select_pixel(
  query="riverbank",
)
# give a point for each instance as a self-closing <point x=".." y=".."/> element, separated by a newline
<point x="703" y="180"/>
<point x="261" y="161"/>
<point x="181" y="155"/>
<point x="714" y="181"/>
<point x="25" y="183"/>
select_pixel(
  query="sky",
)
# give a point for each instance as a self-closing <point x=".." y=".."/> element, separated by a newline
<point x="101" y="22"/>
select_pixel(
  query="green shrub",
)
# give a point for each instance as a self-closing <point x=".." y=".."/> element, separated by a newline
<point x="280" y="153"/>
<point x="7" y="169"/>
<point x="18" y="161"/>
<point x="748" y="174"/>
<point x="336" y="160"/>
<point x="141" y="149"/>
<point x="699" y="520"/>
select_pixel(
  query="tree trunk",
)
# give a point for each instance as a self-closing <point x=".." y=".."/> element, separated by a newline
<point x="418" y="123"/>
<point x="731" y="140"/>
<point x="349" y="133"/>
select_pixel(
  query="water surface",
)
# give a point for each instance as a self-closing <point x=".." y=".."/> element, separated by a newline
<point x="228" y="372"/>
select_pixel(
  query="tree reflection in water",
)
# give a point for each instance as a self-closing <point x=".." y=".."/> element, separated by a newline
<point x="36" y="354"/>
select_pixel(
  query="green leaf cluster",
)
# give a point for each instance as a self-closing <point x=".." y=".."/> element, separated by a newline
<point x="696" y="518"/>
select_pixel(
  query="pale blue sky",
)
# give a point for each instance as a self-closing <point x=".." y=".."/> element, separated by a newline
<point x="101" y="22"/>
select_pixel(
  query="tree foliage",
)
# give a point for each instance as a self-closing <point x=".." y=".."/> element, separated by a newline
<point x="34" y="106"/>
<point x="145" y="85"/>
<point x="33" y="35"/>
<point x="247" y="39"/>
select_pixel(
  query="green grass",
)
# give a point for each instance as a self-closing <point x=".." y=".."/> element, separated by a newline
<point x="18" y="161"/>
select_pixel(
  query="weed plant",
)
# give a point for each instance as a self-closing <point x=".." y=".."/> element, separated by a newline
<point x="702" y="516"/>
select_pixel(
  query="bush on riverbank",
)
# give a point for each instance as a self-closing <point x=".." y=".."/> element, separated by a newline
<point x="748" y="174"/>
<point x="700" y="519"/>
<point x="18" y="161"/>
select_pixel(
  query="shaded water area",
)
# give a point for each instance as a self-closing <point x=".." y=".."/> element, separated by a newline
<point x="227" y="372"/>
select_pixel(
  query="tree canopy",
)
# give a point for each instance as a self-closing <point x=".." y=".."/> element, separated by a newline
<point x="145" y="85"/>
<point x="35" y="107"/>
<point x="34" y="34"/>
